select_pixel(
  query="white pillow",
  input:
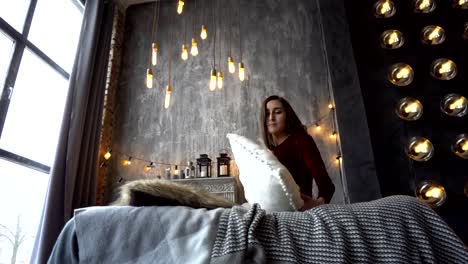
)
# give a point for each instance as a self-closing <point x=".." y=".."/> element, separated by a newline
<point x="266" y="181"/>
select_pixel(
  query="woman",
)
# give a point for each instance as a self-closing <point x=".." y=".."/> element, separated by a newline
<point x="284" y="134"/>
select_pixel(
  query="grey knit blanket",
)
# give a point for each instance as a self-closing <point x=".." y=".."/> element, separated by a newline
<point x="396" y="229"/>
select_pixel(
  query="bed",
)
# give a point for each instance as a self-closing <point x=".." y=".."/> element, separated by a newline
<point x="154" y="226"/>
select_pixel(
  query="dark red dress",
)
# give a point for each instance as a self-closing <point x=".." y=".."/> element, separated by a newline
<point x="299" y="154"/>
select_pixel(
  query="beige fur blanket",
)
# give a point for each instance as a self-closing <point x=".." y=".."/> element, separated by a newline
<point x="167" y="193"/>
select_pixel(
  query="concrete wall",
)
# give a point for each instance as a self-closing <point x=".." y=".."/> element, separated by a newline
<point x="288" y="50"/>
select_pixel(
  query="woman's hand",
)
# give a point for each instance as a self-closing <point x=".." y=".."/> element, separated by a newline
<point x="310" y="202"/>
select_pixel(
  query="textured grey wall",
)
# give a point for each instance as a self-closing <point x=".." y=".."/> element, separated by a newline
<point x="284" y="53"/>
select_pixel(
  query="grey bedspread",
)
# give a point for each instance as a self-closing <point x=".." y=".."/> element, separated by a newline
<point x="397" y="229"/>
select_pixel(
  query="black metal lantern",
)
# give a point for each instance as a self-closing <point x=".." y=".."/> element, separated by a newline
<point x="224" y="163"/>
<point x="203" y="166"/>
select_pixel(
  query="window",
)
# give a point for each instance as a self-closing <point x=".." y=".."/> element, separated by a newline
<point x="38" y="41"/>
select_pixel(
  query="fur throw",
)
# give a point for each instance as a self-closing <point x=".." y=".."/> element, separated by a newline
<point x="166" y="193"/>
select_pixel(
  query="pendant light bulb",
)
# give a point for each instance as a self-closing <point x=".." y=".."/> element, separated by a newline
<point x="180" y="7"/>
<point x="154" y="54"/>
<point x="213" y="80"/>
<point x="241" y="71"/>
<point x="203" y="34"/>
<point x="149" y="78"/>
<point x="108" y="155"/>
<point x="149" y="167"/>
<point x="184" y="54"/>
<point x="194" y="49"/>
<point x="220" y="80"/>
<point x="167" y="100"/>
<point x="231" y="66"/>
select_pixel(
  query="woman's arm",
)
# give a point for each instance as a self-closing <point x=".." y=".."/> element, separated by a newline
<point x="316" y="168"/>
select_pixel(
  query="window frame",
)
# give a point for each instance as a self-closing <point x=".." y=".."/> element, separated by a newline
<point x="21" y="42"/>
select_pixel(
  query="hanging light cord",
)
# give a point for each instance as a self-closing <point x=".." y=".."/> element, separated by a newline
<point x="214" y="36"/>
<point x="240" y="35"/>
<point x="194" y="18"/>
<point x="157" y="21"/>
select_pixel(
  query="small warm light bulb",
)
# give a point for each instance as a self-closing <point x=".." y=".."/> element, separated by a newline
<point x="317" y="127"/>
<point x="464" y="147"/>
<point x="149" y="167"/>
<point x="213" y="80"/>
<point x="434" y="192"/>
<point x="108" y="155"/>
<point x="338" y="158"/>
<point x="421" y="147"/>
<point x="446" y="67"/>
<point x="154" y="54"/>
<point x="460" y="146"/>
<point x="403" y="73"/>
<point x="434" y="34"/>
<point x="241" y="71"/>
<point x="459" y="103"/>
<point x="127" y="162"/>
<point x="180" y="7"/>
<point x="393" y="38"/>
<point x="184" y="54"/>
<point x="424" y="6"/>
<point x="194" y="49"/>
<point x="443" y="69"/>
<point x="231" y="66"/>
<point x="203" y="33"/>
<point x="431" y="193"/>
<point x="454" y="105"/>
<point x="333" y="135"/>
<point x="330" y="106"/>
<point x="167" y="100"/>
<point x="149" y="78"/>
<point x="176" y="170"/>
<point x="384" y="8"/>
<point x="412" y="108"/>
<point x="463" y="4"/>
<point x="220" y="80"/>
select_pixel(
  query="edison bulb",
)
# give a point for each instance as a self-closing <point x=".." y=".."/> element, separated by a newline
<point x="454" y="105"/>
<point x="409" y="109"/>
<point x="424" y="6"/>
<point x="108" y="155"/>
<point x="194" y="49"/>
<point x="149" y="167"/>
<point x="184" y="54"/>
<point x="213" y="80"/>
<point x="203" y="33"/>
<point x="443" y="69"/>
<point x="127" y="162"/>
<point x="317" y="127"/>
<point x="400" y="74"/>
<point x="220" y="80"/>
<point x="433" y="35"/>
<point x="420" y="149"/>
<point x="463" y="4"/>
<point x="231" y="66"/>
<point x="154" y="54"/>
<point x="460" y="146"/>
<point x="384" y="9"/>
<point x="167" y="100"/>
<point x="149" y="78"/>
<point x="241" y="71"/>
<point x="391" y="39"/>
<point x="431" y="193"/>
<point x="180" y="7"/>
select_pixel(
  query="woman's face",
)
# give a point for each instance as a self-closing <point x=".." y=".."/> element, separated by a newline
<point x="275" y="117"/>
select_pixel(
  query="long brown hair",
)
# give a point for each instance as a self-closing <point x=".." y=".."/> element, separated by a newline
<point x="293" y="124"/>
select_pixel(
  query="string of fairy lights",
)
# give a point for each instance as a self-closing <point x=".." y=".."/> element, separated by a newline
<point x="418" y="148"/>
